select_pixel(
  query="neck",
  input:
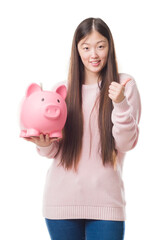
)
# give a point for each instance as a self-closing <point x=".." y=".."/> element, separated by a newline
<point x="90" y="78"/>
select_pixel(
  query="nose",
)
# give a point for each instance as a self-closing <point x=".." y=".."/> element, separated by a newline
<point x="94" y="54"/>
<point x="51" y="111"/>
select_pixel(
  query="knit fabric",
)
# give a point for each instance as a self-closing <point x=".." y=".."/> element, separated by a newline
<point x="94" y="191"/>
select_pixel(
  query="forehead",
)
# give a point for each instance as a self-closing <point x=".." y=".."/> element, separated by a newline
<point x="93" y="38"/>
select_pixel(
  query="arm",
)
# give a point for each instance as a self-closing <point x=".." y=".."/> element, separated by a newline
<point x="49" y="151"/>
<point x="46" y="147"/>
<point x="126" y="117"/>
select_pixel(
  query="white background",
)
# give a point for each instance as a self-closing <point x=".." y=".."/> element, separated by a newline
<point x="35" y="46"/>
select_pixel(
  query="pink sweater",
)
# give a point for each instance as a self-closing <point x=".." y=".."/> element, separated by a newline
<point x="95" y="191"/>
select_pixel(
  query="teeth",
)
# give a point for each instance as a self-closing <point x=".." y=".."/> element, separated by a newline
<point x="95" y="62"/>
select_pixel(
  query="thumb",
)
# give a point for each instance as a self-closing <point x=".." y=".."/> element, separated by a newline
<point x="126" y="81"/>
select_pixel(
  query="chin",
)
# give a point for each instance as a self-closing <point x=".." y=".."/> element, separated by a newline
<point x="96" y="70"/>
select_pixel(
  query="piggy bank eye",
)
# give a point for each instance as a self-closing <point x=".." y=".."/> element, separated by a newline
<point x="58" y="100"/>
<point x="42" y="99"/>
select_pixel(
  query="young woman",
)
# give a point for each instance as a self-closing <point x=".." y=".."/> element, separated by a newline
<point x="84" y="191"/>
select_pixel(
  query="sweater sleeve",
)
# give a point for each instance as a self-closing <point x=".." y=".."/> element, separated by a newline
<point x="126" y="117"/>
<point x="49" y="151"/>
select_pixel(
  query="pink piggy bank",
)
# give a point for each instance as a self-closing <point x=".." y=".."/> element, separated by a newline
<point x="43" y="112"/>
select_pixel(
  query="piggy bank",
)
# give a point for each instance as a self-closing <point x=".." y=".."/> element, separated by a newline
<point x="43" y="111"/>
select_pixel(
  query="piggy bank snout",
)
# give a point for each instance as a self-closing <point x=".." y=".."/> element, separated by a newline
<point x="51" y="111"/>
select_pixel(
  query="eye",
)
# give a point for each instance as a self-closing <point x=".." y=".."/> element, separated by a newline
<point x="58" y="100"/>
<point x="42" y="99"/>
<point x="101" y="46"/>
<point x="86" y="48"/>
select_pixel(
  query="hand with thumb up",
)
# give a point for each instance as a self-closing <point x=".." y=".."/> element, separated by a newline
<point x="116" y="91"/>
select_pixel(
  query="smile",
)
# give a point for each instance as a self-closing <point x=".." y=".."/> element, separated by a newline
<point x="95" y="63"/>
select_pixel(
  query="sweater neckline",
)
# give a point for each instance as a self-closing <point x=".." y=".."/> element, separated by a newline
<point x="90" y="86"/>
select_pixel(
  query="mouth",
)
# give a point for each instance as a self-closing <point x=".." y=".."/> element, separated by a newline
<point x="95" y="63"/>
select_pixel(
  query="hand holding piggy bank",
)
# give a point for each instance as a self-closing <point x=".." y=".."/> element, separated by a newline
<point x="43" y="112"/>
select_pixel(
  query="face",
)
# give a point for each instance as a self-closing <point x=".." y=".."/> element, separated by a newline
<point x="93" y="50"/>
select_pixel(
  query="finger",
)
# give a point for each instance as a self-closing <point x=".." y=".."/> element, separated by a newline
<point x="113" y="87"/>
<point x="34" y="138"/>
<point x="112" y="95"/>
<point x="41" y="137"/>
<point x="114" y="92"/>
<point x="115" y="84"/>
<point x="47" y="139"/>
<point x="29" y="139"/>
<point x="125" y="82"/>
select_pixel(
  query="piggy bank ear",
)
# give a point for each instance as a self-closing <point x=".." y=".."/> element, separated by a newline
<point x="32" y="88"/>
<point x="62" y="90"/>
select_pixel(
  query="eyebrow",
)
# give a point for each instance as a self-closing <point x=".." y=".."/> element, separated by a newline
<point x="97" y="42"/>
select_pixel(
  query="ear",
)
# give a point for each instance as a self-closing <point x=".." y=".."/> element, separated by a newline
<point x="62" y="90"/>
<point x="33" y="88"/>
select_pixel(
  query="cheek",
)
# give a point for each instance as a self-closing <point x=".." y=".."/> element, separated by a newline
<point x="82" y="55"/>
<point x="104" y="56"/>
<point x="84" y="58"/>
